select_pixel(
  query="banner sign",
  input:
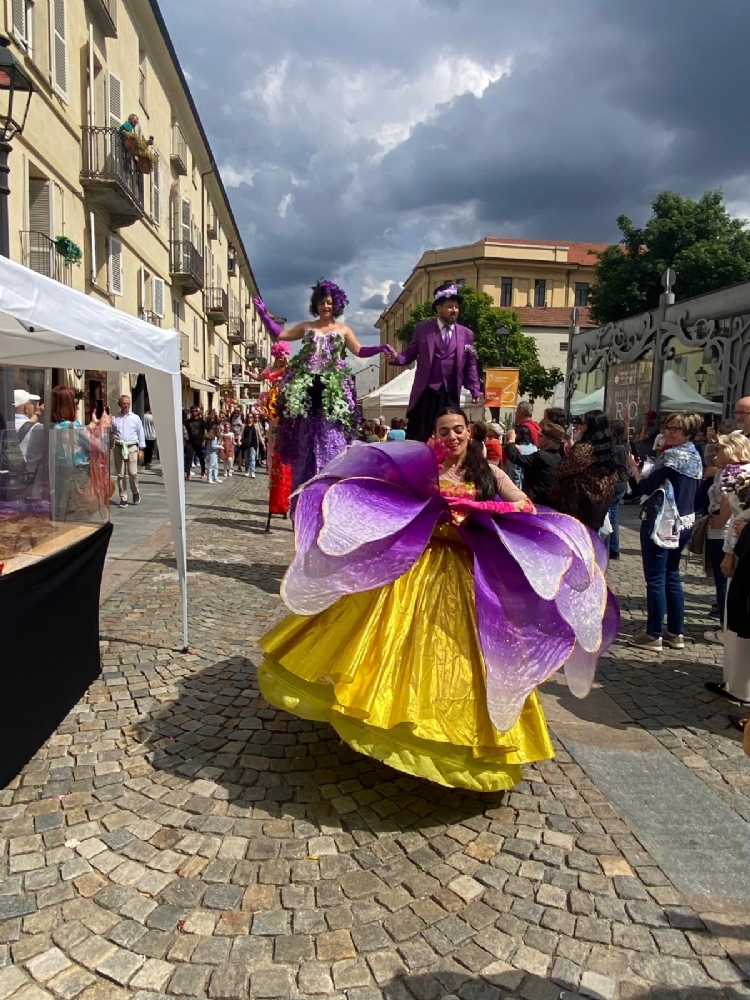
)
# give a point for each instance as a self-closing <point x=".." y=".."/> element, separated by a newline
<point x="501" y="387"/>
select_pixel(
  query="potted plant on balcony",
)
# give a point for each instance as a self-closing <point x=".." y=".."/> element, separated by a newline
<point x="68" y="250"/>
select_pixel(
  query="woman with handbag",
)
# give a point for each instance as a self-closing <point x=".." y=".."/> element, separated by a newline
<point x="670" y="488"/>
<point x="735" y="685"/>
<point x="731" y="457"/>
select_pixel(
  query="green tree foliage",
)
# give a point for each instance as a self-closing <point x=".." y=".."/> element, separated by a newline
<point x="514" y="350"/>
<point x="707" y="248"/>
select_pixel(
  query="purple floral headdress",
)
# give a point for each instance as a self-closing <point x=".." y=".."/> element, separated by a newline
<point x="338" y="295"/>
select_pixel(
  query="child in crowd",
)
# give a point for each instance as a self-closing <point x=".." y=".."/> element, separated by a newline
<point x="227" y="448"/>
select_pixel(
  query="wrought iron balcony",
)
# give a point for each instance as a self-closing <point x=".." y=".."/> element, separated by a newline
<point x="179" y="155"/>
<point x="186" y="266"/>
<point x="111" y="177"/>
<point x="148" y="316"/>
<point x="217" y="306"/>
<point x="39" y="253"/>
<point x="104" y="13"/>
<point x="236" y="330"/>
<point x="184" y="350"/>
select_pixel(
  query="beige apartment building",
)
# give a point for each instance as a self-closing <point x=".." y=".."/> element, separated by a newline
<point x="541" y="280"/>
<point x="148" y="210"/>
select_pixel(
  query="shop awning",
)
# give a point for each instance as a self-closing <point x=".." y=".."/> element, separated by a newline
<point x="201" y="383"/>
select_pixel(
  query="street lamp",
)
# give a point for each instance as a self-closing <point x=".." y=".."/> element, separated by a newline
<point x="501" y="333"/>
<point x="16" y="84"/>
<point x="700" y="377"/>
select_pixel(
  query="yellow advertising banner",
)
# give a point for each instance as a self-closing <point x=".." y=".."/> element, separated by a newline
<point x="501" y="387"/>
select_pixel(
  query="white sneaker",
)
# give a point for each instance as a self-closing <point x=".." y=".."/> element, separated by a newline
<point x="716" y="637"/>
<point x="247" y="475"/>
<point x="252" y="475"/>
<point x="674" y="641"/>
<point x="646" y="641"/>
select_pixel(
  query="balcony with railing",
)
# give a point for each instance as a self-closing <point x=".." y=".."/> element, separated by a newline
<point x="104" y="13"/>
<point x="217" y="306"/>
<point x="110" y="176"/>
<point x="236" y="330"/>
<point x="39" y="253"/>
<point x="186" y="266"/>
<point x="184" y="350"/>
<point x="149" y="316"/>
<point x="179" y="155"/>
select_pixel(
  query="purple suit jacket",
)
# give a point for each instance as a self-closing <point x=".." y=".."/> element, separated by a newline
<point x="421" y="349"/>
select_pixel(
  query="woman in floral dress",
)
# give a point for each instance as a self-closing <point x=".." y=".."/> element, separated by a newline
<point x="317" y="397"/>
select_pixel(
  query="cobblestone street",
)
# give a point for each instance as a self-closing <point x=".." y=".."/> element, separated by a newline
<point x="177" y="837"/>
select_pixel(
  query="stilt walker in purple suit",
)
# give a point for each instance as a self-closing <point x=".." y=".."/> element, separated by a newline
<point x="446" y="362"/>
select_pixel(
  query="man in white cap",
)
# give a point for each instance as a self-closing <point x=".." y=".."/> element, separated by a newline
<point x="25" y="405"/>
<point x="29" y="432"/>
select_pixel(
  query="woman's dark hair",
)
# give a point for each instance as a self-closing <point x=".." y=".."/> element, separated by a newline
<point x="479" y="432"/>
<point x="63" y="404"/>
<point x="619" y="431"/>
<point x="317" y="297"/>
<point x="598" y="434"/>
<point x="523" y="434"/>
<point x="477" y="469"/>
<point x="555" y="415"/>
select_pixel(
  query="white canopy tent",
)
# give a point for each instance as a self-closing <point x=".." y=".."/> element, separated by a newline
<point x="676" y="395"/>
<point x="392" y="399"/>
<point x="46" y="324"/>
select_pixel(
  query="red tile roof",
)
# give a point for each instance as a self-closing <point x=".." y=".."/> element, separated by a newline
<point x="578" y="253"/>
<point x="556" y="316"/>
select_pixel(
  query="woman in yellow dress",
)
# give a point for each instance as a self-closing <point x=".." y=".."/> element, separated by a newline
<point x="429" y="600"/>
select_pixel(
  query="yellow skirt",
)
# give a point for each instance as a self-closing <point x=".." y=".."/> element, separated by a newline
<point x="399" y="674"/>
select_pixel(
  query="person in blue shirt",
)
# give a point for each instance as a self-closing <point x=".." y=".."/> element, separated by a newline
<point x="679" y="464"/>
<point x="397" y="431"/>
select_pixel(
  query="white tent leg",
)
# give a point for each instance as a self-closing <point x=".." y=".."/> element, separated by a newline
<point x="164" y="392"/>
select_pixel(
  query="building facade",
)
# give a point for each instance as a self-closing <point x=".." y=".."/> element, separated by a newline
<point x="146" y="208"/>
<point x="541" y="280"/>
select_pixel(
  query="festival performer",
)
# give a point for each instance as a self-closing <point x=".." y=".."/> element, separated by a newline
<point x="279" y="472"/>
<point x="428" y="602"/>
<point x="446" y="361"/>
<point x="318" y="410"/>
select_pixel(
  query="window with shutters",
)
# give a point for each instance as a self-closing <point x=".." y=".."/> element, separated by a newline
<point x="115" y="265"/>
<point x="185" y="220"/>
<point x="196" y="344"/>
<point x="21" y="17"/>
<point x="59" y="48"/>
<point x="114" y="98"/>
<point x="142" y="79"/>
<point x="176" y="312"/>
<point x="157" y="295"/>
<point x="40" y="257"/>
<point x="156" y="191"/>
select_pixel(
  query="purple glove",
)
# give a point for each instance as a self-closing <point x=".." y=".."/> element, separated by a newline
<point x="266" y="319"/>
<point x="370" y="352"/>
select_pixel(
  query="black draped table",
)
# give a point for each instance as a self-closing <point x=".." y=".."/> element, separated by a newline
<point x="49" y="645"/>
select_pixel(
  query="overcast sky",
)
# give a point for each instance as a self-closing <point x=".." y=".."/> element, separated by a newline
<point x="354" y="134"/>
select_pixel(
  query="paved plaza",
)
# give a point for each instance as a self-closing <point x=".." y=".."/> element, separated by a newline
<point x="177" y="837"/>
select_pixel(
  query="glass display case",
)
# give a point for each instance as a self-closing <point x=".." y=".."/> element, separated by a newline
<point x="55" y="487"/>
<point x="55" y="481"/>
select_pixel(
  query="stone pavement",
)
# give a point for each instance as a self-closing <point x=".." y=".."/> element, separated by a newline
<point x="177" y="837"/>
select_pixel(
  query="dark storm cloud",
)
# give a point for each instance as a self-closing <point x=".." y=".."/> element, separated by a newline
<point x="355" y="135"/>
